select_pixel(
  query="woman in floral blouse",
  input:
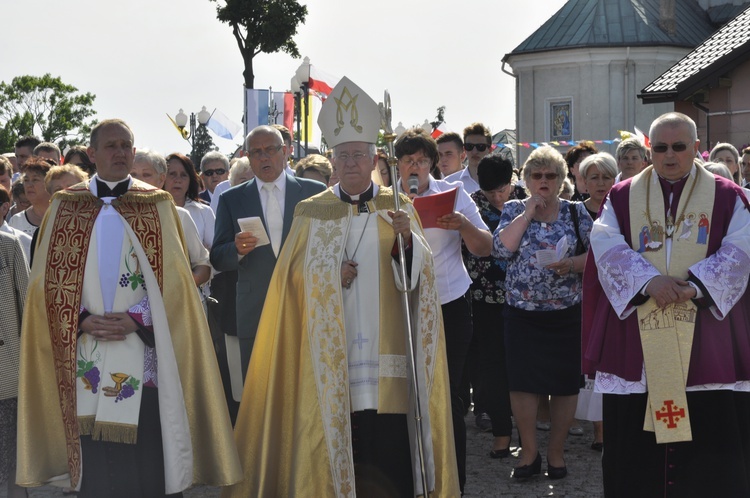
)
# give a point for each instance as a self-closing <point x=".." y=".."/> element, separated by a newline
<point x="545" y="248"/>
<point x="488" y="295"/>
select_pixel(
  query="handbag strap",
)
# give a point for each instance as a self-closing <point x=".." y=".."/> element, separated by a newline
<point x="580" y="249"/>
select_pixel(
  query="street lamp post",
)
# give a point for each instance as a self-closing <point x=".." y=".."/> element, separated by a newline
<point x="303" y="79"/>
<point x="181" y="119"/>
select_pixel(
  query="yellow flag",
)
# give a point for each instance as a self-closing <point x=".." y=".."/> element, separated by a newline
<point x="185" y="133"/>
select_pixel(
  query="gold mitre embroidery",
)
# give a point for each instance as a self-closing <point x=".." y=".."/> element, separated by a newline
<point x="349" y="115"/>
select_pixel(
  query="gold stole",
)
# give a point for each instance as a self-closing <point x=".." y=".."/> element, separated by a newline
<point x="667" y="333"/>
<point x="325" y="249"/>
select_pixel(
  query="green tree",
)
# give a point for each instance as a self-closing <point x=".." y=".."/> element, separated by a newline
<point x="202" y="144"/>
<point x="262" y="26"/>
<point x="46" y="107"/>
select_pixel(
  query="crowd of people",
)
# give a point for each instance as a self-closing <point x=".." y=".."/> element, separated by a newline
<point x="324" y="328"/>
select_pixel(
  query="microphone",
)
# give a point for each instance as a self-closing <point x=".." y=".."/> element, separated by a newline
<point x="413" y="183"/>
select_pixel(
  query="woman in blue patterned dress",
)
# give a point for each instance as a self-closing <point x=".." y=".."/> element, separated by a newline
<point x="542" y="311"/>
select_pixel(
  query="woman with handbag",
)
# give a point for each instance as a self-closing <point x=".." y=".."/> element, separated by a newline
<point x="544" y="239"/>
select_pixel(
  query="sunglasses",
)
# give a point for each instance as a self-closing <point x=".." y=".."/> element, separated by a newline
<point x="480" y="147"/>
<point x="212" y="172"/>
<point x="662" y="148"/>
<point x="546" y="176"/>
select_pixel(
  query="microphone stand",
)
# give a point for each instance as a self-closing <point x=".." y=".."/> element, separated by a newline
<point x="390" y="137"/>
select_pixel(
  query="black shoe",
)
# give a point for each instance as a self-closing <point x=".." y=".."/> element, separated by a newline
<point x="483" y="421"/>
<point x="556" y="472"/>
<point x="525" y="471"/>
<point x="597" y="446"/>
<point x="500" y="453"/>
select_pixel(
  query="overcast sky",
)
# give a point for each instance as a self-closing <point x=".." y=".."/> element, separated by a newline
<point x="145" y="58"/>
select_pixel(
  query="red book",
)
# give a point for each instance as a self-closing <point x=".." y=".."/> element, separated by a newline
<point x="432" y="207"/>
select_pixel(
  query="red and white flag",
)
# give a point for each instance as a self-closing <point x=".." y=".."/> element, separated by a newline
<point x="321" y="83"/>
<point x="441" y="129"/>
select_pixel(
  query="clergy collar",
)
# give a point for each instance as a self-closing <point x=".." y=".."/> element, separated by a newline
<point x="359" y="198"/>
<point x="122" y="186"/>
<point x="683" y="179"/>
<point x="339" y="192"/>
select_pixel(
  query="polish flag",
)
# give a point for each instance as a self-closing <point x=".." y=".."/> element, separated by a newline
<point x="321" y="83"/>
<point x="442" y="128"/>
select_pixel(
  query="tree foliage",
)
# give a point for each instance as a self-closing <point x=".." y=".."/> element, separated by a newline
<point x="202" y="144"/>
<point x="262" y="26"/>
<point x="46" y="107"/>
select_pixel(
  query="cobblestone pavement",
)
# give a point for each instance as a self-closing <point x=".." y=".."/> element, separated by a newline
<point x="485" y="477"/>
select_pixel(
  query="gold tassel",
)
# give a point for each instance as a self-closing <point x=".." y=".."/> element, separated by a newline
<point x="86" y="425"/>
<point x="115" y="433"/>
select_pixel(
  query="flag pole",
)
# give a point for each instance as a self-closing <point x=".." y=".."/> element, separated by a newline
<point x="390" y="137"/>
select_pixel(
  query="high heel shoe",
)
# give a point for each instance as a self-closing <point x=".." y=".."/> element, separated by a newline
<point x="532" y="469"/>
<point x="556" y="472"/>
<point x="502" y="453"/>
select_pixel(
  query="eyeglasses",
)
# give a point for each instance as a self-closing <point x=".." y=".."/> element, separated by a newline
<point x="422" y="163"/>
<point x="212" y="172"/>
<point x="268" y="151"/>
<point x="480" y="147"/>
<point x="546" y="176"/>
<point x="662" y="148"/>
<point x="357" y="157"/>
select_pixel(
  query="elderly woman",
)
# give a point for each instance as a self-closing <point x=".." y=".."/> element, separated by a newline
<point x="495" y="175"/>
<point x="151" y="168"/>
<point x="183" y="183"/>
<point x="417" y="154"/>
<point x="240" y="172"/>
<point x="315" y="167"/>
<point x="542" y="311"/>
<point x="727" y="154"/>
<point x="63" y="176"/>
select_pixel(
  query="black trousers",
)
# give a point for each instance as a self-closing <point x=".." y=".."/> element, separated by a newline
<point x="489" y="330"/>
<point x="715" y="463"/>
<point x="382" y="456"/>
<point x="458" y="332"/>
<point x="118" y="470"/>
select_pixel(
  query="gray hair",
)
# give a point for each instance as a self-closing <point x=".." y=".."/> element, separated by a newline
<point x="155" y="159"/>
<point x="604" y="162"/>
<point x="719" y="169"/>
<point x="372" y="150"/>
<point x="629" y="144"/>
<point x="674" y="119"/>
<point x="721" y="146"/>
<point x="545" y="157"/>
<point x="212" y="156"/>
<point x="239" y="166"/>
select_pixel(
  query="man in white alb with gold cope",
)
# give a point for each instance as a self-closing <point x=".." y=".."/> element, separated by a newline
<point x="330" y="409"/>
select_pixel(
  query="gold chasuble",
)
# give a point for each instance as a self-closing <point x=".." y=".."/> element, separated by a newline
<point x="198" y="444"/>
<point x="294" y="426"/>
<point x="672" y="244"/>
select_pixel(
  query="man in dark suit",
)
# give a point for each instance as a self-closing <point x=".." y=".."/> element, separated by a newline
<point x="272" y="196"/>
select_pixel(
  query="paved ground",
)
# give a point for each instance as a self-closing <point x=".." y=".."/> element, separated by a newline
<point x="486" y="477"/>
